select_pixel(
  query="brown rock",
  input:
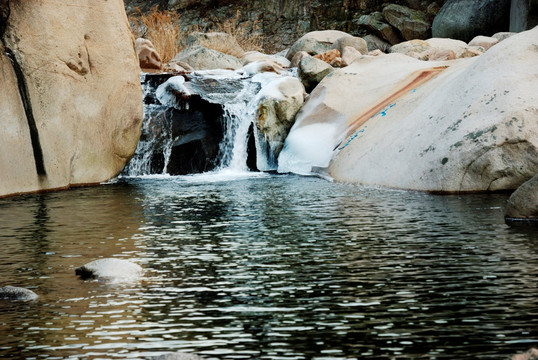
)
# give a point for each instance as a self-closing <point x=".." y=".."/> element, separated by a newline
<point x="349" y="55"/>
<point x="147" y="55"/>
<point x="329" y="56"/>
<point x="83" y="85"/>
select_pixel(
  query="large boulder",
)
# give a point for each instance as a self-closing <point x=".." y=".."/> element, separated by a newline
<point x="279" y="102"/>
<point x="412" y="24"/>
<point x="312" y="71"/>
<point x="458" y="126"/>
<point x="13" y="293"/>
<point x="316" y="42"/>
<point x="110" y="269"/>
<point x="70" y="104"/>
<point x="523" y="203"/>
<point x="202" y="58"/>
<point x="465" y="19"/>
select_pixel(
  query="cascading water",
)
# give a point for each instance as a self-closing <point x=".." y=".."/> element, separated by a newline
<point x="169" y="100"/>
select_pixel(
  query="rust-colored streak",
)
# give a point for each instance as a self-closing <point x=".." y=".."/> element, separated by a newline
<point x="416" y="79"/>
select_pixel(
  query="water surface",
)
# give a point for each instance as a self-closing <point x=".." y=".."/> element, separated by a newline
<point x="268" y="267"/>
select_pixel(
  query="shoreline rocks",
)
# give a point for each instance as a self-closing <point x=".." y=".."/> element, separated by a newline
<point x="522" y="207"/>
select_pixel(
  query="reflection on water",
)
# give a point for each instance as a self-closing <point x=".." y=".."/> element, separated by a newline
<point x="269" y="267"/>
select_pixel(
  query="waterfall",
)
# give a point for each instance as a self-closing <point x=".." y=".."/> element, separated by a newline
<point x="221" y="103"/>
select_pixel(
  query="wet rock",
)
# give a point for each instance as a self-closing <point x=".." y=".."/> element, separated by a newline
<point x="316" y="42"/>
<point x="465" y="19"/>
<point x="109" y="269"/>
<point x="17" y="294"/>
<point x="201" y="58"/>
<point x="148" y="57"/>
<point x="312" y="71"/>
<point x="279" y="102"/>
<point x="412" y="24"/>
<point x="376" y="23"/>
<point x="522" y="206"/>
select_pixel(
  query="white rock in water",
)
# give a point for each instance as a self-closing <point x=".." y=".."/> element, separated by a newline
<point x="17" y="294"/>
<point x="109" y="269"/>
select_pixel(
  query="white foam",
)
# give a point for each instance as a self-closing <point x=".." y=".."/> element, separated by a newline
<point x="165" y="91"/>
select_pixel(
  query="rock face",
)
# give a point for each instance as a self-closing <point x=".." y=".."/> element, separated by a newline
<point x="70" y="104"/>
<point x="412" y="24"/>
<point x="459" y="126"/>
<point x="279" y="102"/>
<point x="465" y="19"/>
<point x="201" y="58"/>
<point x="13" y="293"/>
<point x="523" y="203"/>
<point x="110" y="269"/>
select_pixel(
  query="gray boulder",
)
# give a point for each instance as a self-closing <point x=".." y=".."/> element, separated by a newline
<point x="523" y="204"/>
<point x="202" y="58"/>
<point x="312" y="71"/>
<point x="412" y="24"/>
<point x="465" y="19"/>
<point x="351" y="41"/>
<point x="316" y="42"/>
<point x="109" y="269"/>
<point x="376" y="43"/>
<point x="17" y="294"/>
<point x="376" y="24"/>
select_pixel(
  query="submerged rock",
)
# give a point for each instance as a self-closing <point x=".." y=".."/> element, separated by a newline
<point x="522" y="206"/>
<point x="458" y="126"/>
<point x="17" y="294"/>
<point x="176" y="356"/>
<point x="110" y="269"/>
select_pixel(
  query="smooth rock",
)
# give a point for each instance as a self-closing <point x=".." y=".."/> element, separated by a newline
<point x="459" y="126"/>
<point x="465" y="19"/>
<point x="110" y="269"/>
<point x="316" y="42"/>
<point x="459" y="47"/>
<point x="351" y="41"/>
<point x="522" y="206"/>
<point x="375" y="23"/>
<point x="416" y="46"/>
<point x="147" y="55"/>
<point x="201" y="58"/>
<point x="260" y="66"/>
<point x="279" y="102"/>
<point x="375" y="43"/>
<point x="312" y="71"/>
<point x="83" y="86"/>
<point x="503" y="35"/>
<point x="532" y="354"/>
<point x="17" y="294"/>
<point x="412" y="24"/>
<point x="483" y="41"/>
<point x="252" y="56"/>
<point x="349" y="55"/>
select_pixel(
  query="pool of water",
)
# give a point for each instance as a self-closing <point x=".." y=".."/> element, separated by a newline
<point x="268" y="267"/>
